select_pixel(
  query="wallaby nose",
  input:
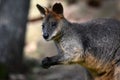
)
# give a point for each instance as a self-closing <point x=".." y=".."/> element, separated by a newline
<point x="46" y="35"/>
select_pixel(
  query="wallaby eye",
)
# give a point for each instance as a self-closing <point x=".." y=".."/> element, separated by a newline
<point x="54" y="23"/>
<point x="43" y="26"/>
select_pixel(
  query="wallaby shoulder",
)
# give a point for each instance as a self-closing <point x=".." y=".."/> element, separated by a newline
<point x="97" y="37"/>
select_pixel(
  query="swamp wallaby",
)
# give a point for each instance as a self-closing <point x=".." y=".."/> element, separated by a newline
<point x="94" y="44"/>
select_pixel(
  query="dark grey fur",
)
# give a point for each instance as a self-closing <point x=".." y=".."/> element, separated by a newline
<point x="94" y="44"/>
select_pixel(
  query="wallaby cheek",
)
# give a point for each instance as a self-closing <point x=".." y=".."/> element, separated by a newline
<point x="55" y="32"/>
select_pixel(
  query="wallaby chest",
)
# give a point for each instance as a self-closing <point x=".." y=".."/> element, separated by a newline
<point x="70" y="44"/>
<point x="71" y="47"/>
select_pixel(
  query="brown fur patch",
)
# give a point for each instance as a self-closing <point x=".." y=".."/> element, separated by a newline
<point x="57" y="16"/>
<point x="107" y="76"/>
<point x="117" y="72"/>
<point x="100" y="70"/>
<point x="97" y="65"/>
<point x="46" y="11"/>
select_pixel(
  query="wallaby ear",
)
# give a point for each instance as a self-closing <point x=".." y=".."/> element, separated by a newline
<point x="58" y="8"/>
<point x="42" y="10"/>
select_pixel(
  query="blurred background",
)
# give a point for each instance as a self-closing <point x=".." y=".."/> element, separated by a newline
<point x="24" y="42"/>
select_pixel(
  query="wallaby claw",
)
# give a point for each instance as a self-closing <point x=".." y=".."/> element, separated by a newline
<point x="46" y="63"/>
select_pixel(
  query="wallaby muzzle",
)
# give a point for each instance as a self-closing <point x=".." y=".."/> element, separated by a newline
<point x="46" y="35"/>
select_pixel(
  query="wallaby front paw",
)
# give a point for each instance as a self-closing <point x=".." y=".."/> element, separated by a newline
<point x="46" y="62"/>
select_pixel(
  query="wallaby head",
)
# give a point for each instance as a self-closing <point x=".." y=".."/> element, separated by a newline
<point x="51" y="24"/>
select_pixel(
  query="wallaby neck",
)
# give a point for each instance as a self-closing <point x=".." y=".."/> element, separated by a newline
<point x="66" y="26"/>
<point x="63" y="27"/>
<point x="65" y="23"/>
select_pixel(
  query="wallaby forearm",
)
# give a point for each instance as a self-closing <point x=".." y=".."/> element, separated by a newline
<point x="50" y="61"/>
